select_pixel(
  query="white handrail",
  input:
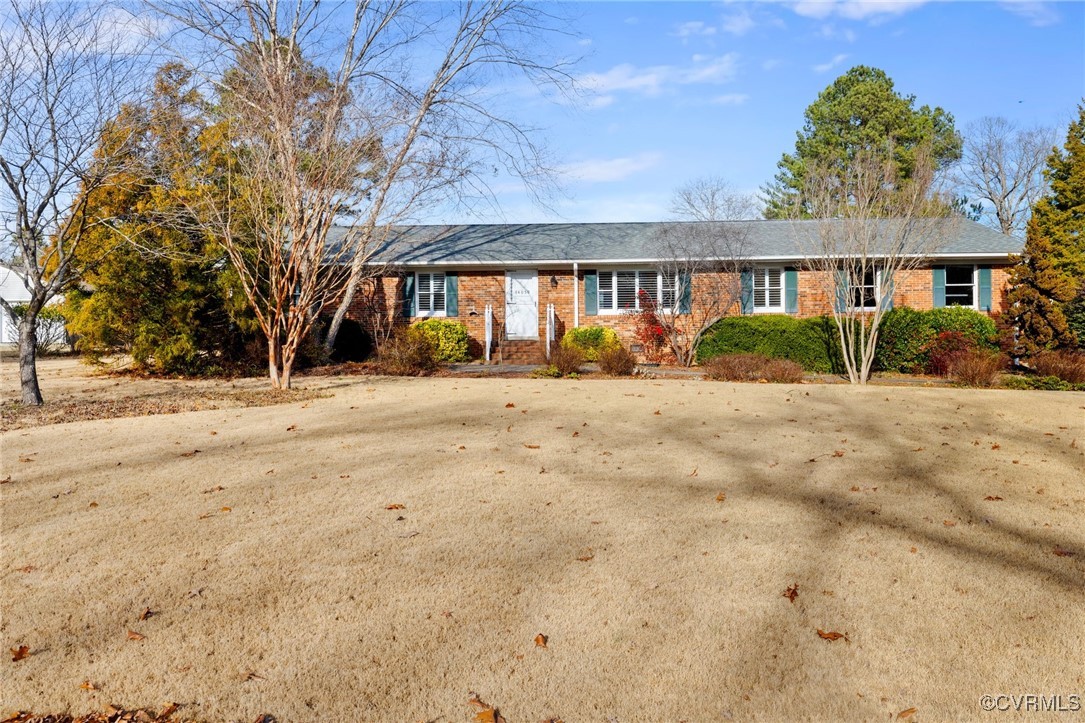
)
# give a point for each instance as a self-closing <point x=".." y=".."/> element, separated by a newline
<point x="489" y="330"/>
<point x="551" y="328"/>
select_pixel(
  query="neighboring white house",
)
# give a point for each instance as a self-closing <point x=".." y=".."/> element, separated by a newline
<point x="13" y="291"/>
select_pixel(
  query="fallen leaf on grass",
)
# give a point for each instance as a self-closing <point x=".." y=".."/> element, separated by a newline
<point x="133" y="635"/>
<point x="193" y="453"/>
<point x="906" y="713"/>
<point x="918" y="449"/>
<point x="992" y="498"/>
<point x="395" y="506"/>
<point x="657" y="412"/>
<point x="832" y="635"/>
<point x="721" y="497"/>
<point x="531" y="446"/>
<point x="147" y="612"/>
<point x="487" y="713"/>
<point x="253" y="675"/>
<point x="6" y="480"/>
<point x="996" y="446"/>
<point x="292" y="428"/>
<point x="92" y="505"/>
<point x="26" y="568"/>
<point x="216" y="488"/>
<point x="1060" y="552"/>
<point x="791" y="592"/>
<point x="587" y="557"/>
<point x="510" y="405"/>
<point x="87" y="685"/>
<point x="19" y="653"/>
<point x="20" y="716"/>
<point x="949" y="523"/>
<point x="838" y="453"/>
<point x="540" y="640"/>
<point x="227" y="509"/>
<point x="693" y="473"/>
<point x="168" y="710"/>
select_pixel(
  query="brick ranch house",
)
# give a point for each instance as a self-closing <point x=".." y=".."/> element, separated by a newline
<point x="591" y="274"/>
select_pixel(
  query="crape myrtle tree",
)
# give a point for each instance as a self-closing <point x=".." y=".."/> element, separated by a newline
<point x="1002" y="170"/>
<point x="860" y="113"/>
<point x="65" y="70"/>
<point x="872" y="225"/>
<point x="700" y="259"/>
<point x="1046" y="283"/>
<point x="354" y="115"/>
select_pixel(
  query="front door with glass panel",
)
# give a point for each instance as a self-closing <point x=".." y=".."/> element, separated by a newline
<point x="522" y="304"/>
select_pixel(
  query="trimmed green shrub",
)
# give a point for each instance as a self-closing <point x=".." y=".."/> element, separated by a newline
<point x="591" y="340"/>
<point x="813" y="343"/>
<point x="618" y="362"/>
<point x="449" y="339"/>
<point x="1050" y="384"/>
<point x="906" y="335"/>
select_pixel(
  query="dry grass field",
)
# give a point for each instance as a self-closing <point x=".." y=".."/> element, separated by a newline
<point x="387" y="550"/>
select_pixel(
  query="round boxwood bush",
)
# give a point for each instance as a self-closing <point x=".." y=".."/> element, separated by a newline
<point x="590" y="340"/>
<point x="905" y="335"/>
<point x="449" y="339"/>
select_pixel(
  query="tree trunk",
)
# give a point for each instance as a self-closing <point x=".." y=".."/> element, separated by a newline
<point x="28" y="357"/>
<point x="273" y="362"/>
<point x="340" y="314"/>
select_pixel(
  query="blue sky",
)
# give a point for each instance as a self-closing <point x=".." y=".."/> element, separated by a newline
<point x="681" y="90"/>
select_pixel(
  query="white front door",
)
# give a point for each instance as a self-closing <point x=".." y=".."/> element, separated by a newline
<point x="522" y="304"/>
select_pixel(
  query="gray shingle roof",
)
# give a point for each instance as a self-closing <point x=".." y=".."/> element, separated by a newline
<point x="616" y="242"/>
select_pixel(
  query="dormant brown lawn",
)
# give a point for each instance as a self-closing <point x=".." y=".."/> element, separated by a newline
<point x="647" y="529"/>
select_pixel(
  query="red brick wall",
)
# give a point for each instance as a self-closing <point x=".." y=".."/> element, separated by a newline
<point x="479" y="288"/>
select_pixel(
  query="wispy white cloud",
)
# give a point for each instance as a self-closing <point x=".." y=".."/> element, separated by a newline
<point x="694" y="28"/>
<point x="730" y="99"/>
<point x="832" y="32"/>
<point x="657" y="79"/>
<point x="826" y="67"/>
<point x="854" y="9"/>
<point x="738" y="23"/>
<point x="1038" y="14"/>
<point x="608" y="170"/>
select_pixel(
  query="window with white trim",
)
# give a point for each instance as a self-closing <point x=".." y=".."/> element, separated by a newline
<point x="865" y="292"/>
<point x="768" y="290"/>
<point x="961" y="286"/>
<point x="429" y="295"/>
<point x="620" y="290"/>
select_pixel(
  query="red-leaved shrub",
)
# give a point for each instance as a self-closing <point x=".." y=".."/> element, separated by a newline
<point x="944" y="350"/>
<point x="751" y="368"/>
<point x="977" y="367"/>
<point x="1068" y="366"/>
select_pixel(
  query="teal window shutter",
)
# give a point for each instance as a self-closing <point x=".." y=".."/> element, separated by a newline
<point x="452" y="293"/>
<point x="746" y="297"/>
<point x="685" y="290"/>
<point x="408" y="296"/>
<point x="890" y="290"/>
<point x="938" y="283"/>
<point x="591" y="293"/>
<point x="791" y="291"/>
<point x="985" y="288"/>
<point x="842" y="289"/>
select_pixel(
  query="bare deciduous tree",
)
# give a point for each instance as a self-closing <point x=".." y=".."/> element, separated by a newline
<point x="712" y="198"/>
<point x="870" y="227"/>
<point x="373" y="137"/>
<point x="1001" y="168"/>
<point x="703" y="262"/>
<point x="65" y="70"/>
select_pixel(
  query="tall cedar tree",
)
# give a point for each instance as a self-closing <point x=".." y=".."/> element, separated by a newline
<point x="1049" y="275"/>
<point x="859" y="112"/>
<point x="162" y="293"/>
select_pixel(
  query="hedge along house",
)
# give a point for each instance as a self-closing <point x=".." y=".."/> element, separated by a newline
<point x="531" y="278"/>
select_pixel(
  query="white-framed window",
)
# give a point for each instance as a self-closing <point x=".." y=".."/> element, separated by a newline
<point x="961" y="286"/>
<point x="620" y="290"/>
<point x="768" y="290"/>
<point x="865" y="292"/>
<point x="429" y="294"/>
